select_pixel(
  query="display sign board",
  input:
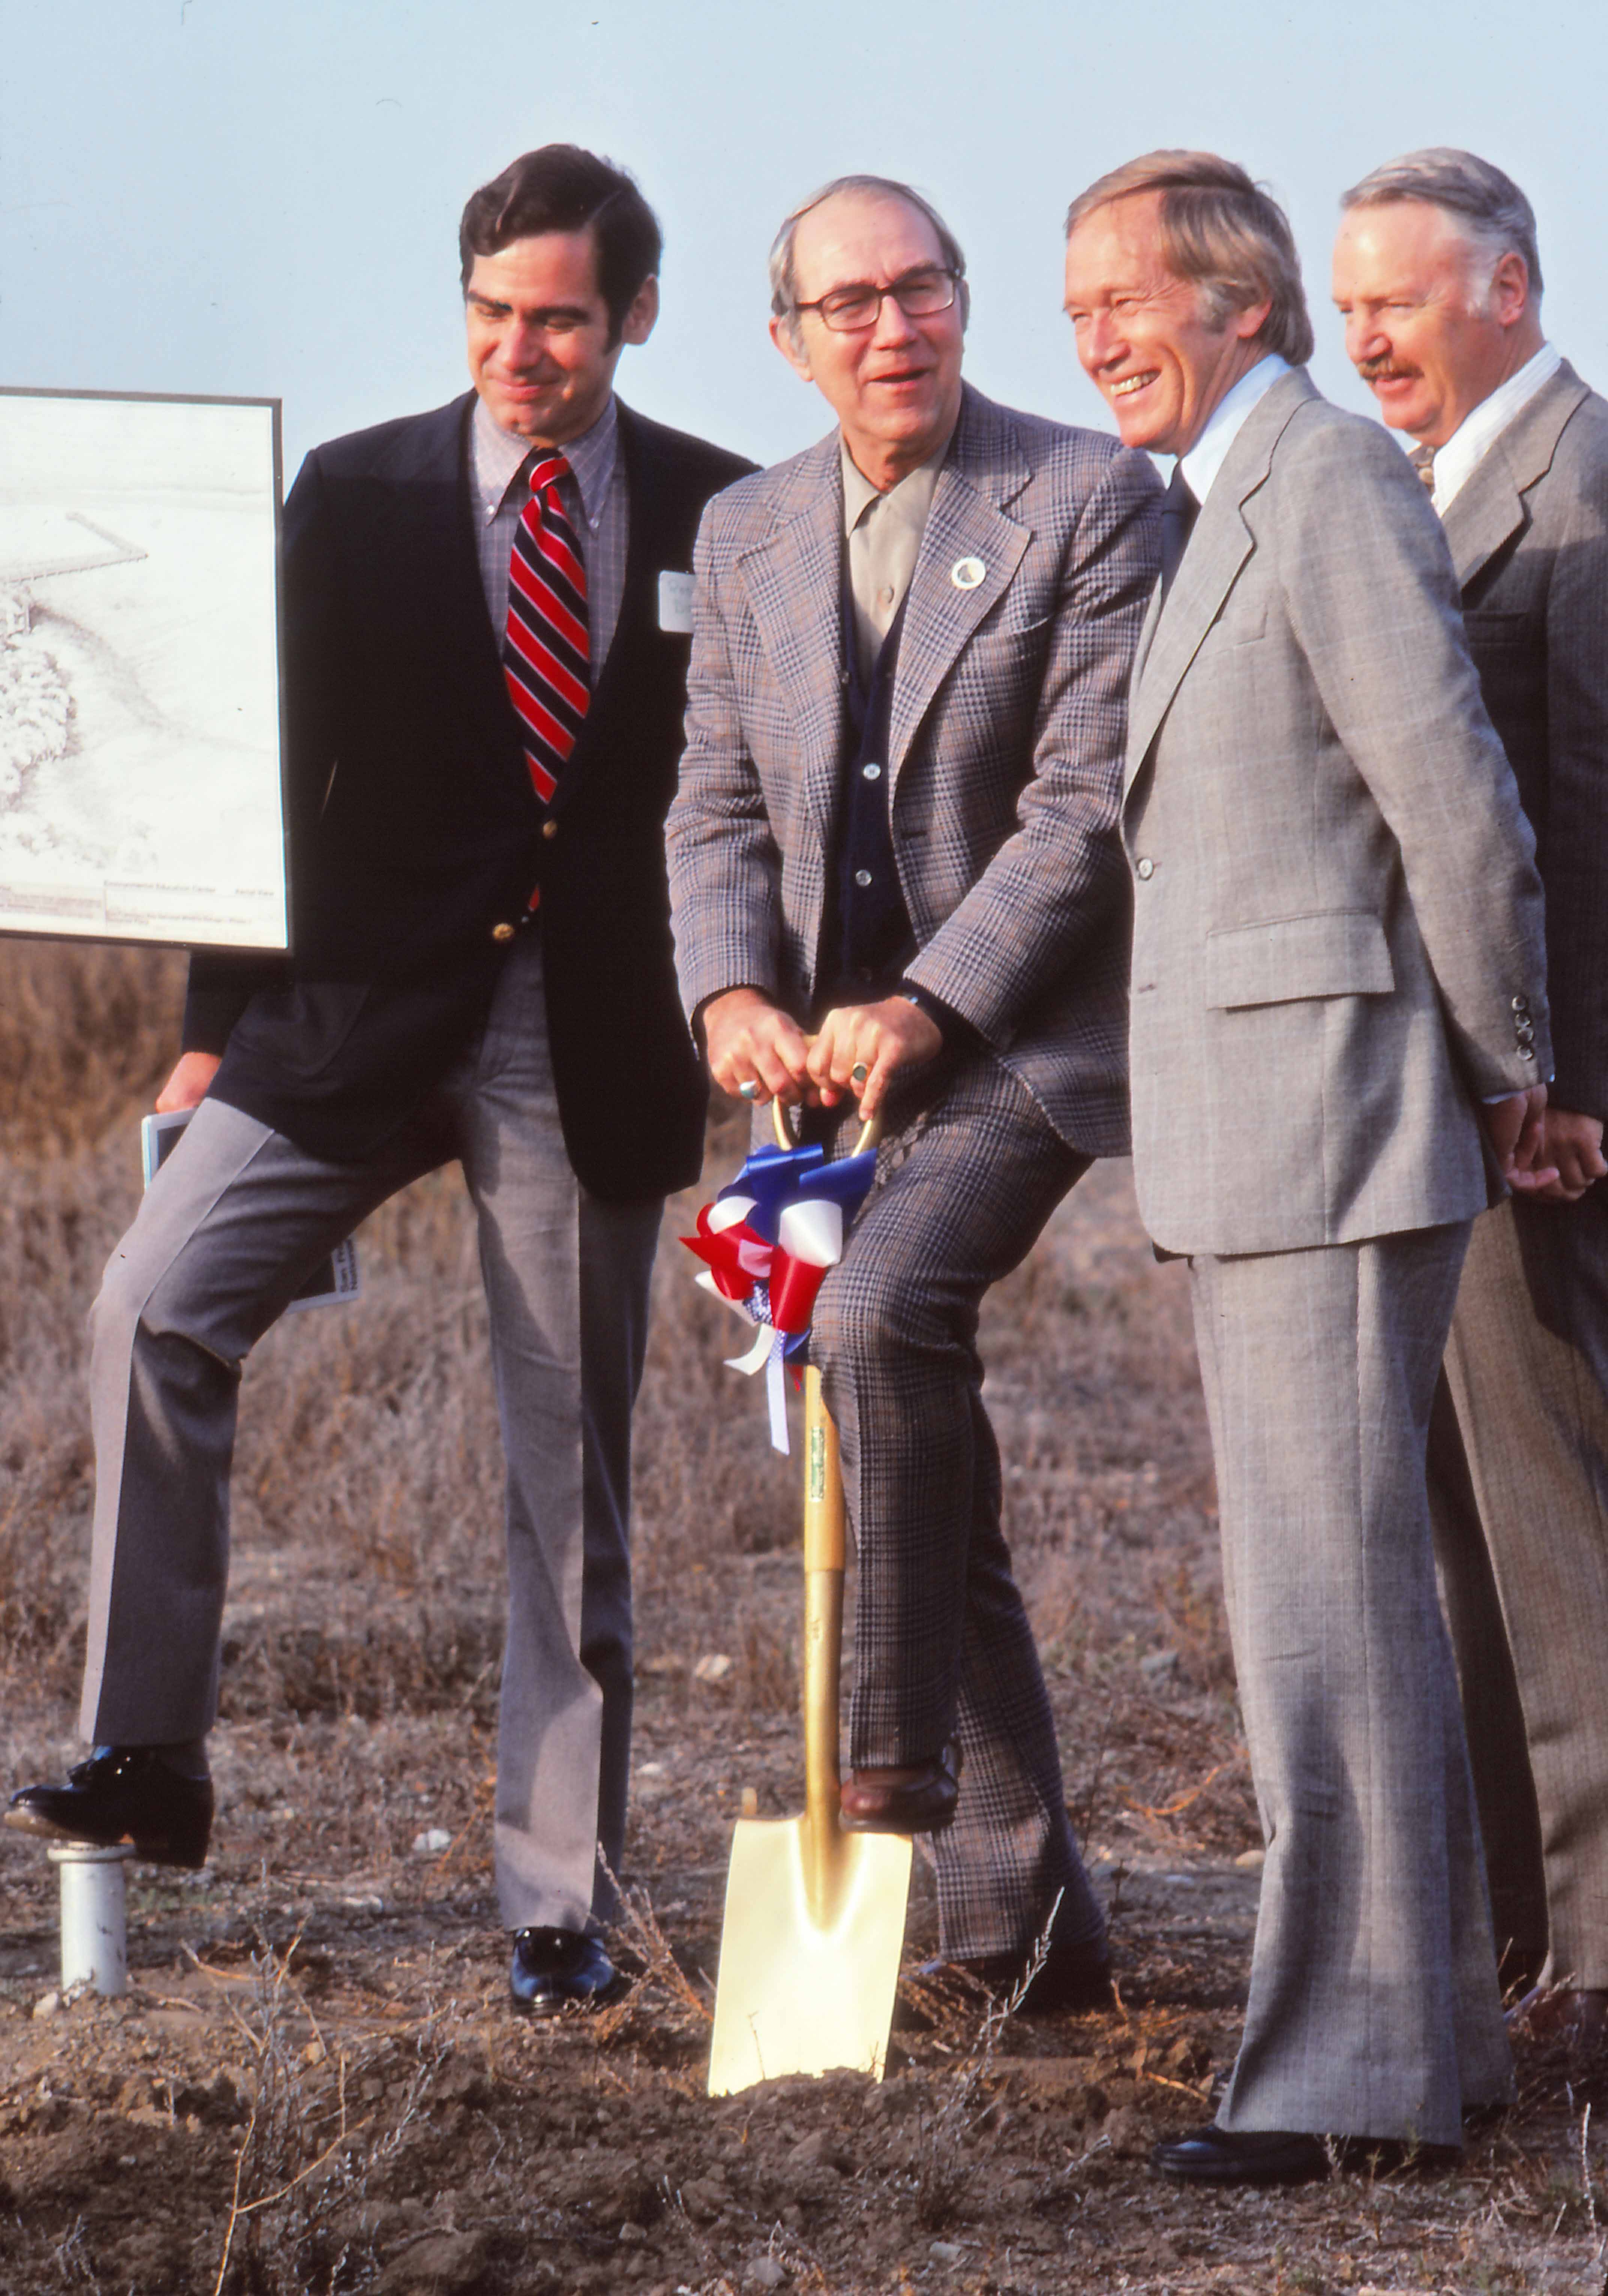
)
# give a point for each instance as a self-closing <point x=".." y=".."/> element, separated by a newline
<point x="140" y="775"/>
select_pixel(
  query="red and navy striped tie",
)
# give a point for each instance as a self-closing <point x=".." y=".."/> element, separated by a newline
<point x="546" y="647"/>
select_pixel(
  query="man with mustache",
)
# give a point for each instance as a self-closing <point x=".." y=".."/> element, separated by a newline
<point x="1337" y="980"/>
<point x="895" y="827"/>
<point x="1439" y="281"/>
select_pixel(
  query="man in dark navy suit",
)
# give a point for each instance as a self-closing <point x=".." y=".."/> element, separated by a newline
<point x="485" y="616"/>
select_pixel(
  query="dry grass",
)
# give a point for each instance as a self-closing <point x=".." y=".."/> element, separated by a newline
<point x="84" y="1032"/>
<point x="315" y="2086"/>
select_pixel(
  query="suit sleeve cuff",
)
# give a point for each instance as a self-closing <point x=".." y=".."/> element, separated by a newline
<point x="955" y="1030"/>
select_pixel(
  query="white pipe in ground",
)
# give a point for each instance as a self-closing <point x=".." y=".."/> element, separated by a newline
<point x="94" y="1934"/>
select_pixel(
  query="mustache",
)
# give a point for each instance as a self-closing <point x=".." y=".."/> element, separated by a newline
<point x="1383" y="369"/>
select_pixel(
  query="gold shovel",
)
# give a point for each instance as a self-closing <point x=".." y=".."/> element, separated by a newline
<point x="815" y="1917"/>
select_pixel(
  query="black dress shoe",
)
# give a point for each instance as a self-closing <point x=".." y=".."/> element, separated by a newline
<point x="1241" y="2156"/>
<point x="919" y="1800"/>
<point x="122" y="1794"/>
<point x="1073" y="1977"/>
<point x="560" y="1968"/>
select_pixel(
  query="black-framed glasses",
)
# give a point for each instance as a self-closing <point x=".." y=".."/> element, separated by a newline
<point x="919" y="294"/>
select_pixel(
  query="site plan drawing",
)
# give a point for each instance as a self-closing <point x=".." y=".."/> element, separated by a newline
<point x="140" y="794"/>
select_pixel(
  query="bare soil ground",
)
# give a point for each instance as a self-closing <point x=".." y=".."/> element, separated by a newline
<point x="314" y="2083"/>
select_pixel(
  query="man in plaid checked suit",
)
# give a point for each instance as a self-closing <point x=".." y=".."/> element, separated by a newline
<point x="895" y="827"/>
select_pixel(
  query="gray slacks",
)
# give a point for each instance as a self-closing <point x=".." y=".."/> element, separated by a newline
<point x="1519" y="1480"/>
<point x="1373" y="2008"/>
<point x="235" y="1221"/>
<point x="943" y="1648"/>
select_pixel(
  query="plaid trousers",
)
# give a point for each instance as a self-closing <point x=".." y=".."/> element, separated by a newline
<point x="970" y="1171"/>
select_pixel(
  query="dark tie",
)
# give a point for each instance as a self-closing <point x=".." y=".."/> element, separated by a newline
<point x="1179" y="511"/>
<point x="1422" y="460"/>
<point x="546" y="647"/>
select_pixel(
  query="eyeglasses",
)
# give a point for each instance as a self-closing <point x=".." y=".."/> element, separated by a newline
<point x="919" y="294"/>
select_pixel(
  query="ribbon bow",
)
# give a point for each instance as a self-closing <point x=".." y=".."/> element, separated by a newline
<point x="766" y="1241"/>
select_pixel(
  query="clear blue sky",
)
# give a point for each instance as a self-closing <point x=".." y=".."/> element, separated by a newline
<point x="261" y="196"/>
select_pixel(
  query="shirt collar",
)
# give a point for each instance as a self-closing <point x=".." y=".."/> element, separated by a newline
<point x="911" y="499"/>
<point x="1457" y="461"/>
<point x="501" y="459"/>
<point x="1228" y="418"/>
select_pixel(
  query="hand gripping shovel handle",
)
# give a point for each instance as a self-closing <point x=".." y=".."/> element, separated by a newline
<point x="871" y="1131"/>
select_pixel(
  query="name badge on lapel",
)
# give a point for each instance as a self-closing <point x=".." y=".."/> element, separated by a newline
<point x="675" y="604"/>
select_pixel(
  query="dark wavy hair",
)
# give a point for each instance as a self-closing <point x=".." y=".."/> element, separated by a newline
<point x="562" y="188"/>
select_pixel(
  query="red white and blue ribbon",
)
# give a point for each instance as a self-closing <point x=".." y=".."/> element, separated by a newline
<point x="767" y="1239"/>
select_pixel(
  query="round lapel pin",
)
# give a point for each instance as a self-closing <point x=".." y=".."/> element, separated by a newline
<point x="966" y="573"/>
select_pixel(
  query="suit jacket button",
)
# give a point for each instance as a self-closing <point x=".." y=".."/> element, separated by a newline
<point x="503" y="932"/>
<point x="1527" y="1052"/>
<point x="1521" y="1004"/>
<point x="1146" y="869"/>
<point x="549" y="829"/>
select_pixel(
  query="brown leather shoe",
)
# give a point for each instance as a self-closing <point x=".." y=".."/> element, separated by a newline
<point x="919" y="1798"/>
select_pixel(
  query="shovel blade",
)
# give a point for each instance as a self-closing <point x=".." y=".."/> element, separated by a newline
<point x="809" y="1952"/>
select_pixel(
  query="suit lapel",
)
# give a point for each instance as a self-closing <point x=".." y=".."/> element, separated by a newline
<point x="1489" y="507"/>
<point x="795" y="579"/>
<point x="639" y="470"/>
<point x="985" y="467"/>
<point x="1217" y="549"/>
<point x="443" y="565"/>
<point x="1147" y="638"/>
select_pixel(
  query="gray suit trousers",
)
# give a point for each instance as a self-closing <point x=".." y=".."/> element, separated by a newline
<point x="943" y="1647"/>
<point x="235" y="1220"/>
<point x="1520" y="1481"/>
<point x="1373" y="2007"/>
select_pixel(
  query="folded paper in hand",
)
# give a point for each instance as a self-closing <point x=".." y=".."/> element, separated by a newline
<point x="331" y="1282"/>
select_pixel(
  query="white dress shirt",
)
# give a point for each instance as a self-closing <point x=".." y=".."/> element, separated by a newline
<point x="1457" y="461"/>
<point x="1228" y="418"/>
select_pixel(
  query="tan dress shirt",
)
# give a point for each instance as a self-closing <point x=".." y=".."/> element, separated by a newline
<point x="885" y="533"/>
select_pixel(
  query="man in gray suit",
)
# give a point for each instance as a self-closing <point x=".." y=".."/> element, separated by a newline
<point x="1337" y="972"/>
<point x="897" y="826"/>
<point x="1437" y="276"/>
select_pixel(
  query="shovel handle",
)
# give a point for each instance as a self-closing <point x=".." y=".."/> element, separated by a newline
<point x="823" y="1560"/>
<point x="823" y="1475"/>
<point x="824" y="1541"/>
<point x="823" y="1550"/>
<point x="871" y="1131"/>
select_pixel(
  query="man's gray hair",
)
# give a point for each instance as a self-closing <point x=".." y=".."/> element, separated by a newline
<point x="783" y="277"/>
<point x="1489" y="205"/>
<point x="1227" y="236"/>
